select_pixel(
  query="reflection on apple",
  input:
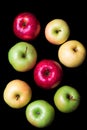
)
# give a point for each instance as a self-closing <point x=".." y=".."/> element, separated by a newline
<point x="48" y="74"/>
<point x="67" y="99"/>
<point x="22" y="56"/>
<point x="17" y="93"/>
<point x="72" y="53"/>
<point x="40" y="113"/>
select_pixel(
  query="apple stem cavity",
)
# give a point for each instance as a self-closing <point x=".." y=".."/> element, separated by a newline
<point x="24" y="24"/>
<point x="70" y="97"/>
<point x="46" y="72"/>
<point x="57" y="31"/>
<point x="75" y="49"/>
<point x="37" y="113"/>
<point x="24" y="54"/>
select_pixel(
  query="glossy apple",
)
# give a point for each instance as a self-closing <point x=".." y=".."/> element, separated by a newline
<point x="26" y="26"/>
<point x="48" y="74"/>
<point x="17" y="93"/>
<point x="57" y="31"/>
<point x="72" y="53"/>
<point x="40" y="113"/>
<point x="22" y="56"/>
<point x="67" y="99"/>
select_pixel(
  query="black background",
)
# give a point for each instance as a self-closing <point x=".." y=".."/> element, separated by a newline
<point x="75" y="15"/>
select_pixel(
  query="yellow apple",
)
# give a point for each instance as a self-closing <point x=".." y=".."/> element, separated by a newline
<point x="57" y="31"/>
<point x="72" y="53"/>
<point x="17" y="93"/>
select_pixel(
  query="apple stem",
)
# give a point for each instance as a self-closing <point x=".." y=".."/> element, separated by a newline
<point x="26" y="50"/>
<point x="24" y="53"/>
<point x="38" y="113"/>
<point x="71" y="98"/>
<point x="17" y="97"/>
<point x="24" y="24"/>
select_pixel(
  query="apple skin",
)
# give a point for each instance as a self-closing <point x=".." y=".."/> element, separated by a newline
<point x="67" y="99"/>
<point x="22" y="56"/>
<point x="17" y="93"/>
<point x="72" y="53"/>
<point x="48" y="74"/>
<point x="26" y="26"/>
<point x="40" y="113"/>
<point x="57" y="31"/>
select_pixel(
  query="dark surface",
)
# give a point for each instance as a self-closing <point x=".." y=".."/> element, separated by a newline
<point x="45" y="11"/>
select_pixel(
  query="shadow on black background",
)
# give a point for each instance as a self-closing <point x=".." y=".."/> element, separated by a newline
<point x="45" y="11"/>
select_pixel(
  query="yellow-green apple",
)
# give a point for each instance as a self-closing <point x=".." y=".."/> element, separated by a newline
<point x="22" y="56"/>
<point x="40" y="113"/>
<point x="17" y="93"/>
<point x="57" y="31"/>
<point x="48" y="74"/>
<point x="72" y="53"/>
<point x="26" y="26"/>
<point x="67" y="99"/>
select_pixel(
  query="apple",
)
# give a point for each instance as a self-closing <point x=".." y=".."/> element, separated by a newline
<point x="22" y="56"/>
<point x="48" y="74"/>
<point x="40" y="113"/>
<point x="26" y="26"/>
<point x="67" y="99"/>
<point x="17" y="93"/>
<point x="72" y="53"/>
<point x="57" y="31"/>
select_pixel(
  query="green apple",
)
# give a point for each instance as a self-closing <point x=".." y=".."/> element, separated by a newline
<point x="22" y="56"/>
<point x="72" y="53"/>
<point x="40" y="113"/>
<point x="17" y="93"/>
<point x="57" y="31"/>
<point x="67" y="99"/>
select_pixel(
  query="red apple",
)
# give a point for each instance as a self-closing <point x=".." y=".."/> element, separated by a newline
<point x="26" y="26"/>
<point x="48" y="74"/>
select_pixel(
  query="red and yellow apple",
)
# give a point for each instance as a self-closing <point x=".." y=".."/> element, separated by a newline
<point x="57" y="31"/>
<point x="17" y="93"/>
